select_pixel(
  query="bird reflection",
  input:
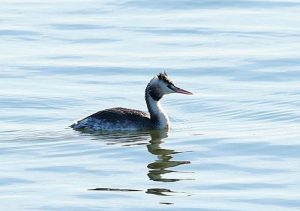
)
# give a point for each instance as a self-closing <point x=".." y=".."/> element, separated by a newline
<point x="158" y="169"/>
<point x="164" y="158"/>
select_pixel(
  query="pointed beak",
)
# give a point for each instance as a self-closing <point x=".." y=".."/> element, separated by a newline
<point x="181" y="91"/>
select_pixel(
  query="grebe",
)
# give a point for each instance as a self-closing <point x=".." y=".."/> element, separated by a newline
<point x="130" y="119"/>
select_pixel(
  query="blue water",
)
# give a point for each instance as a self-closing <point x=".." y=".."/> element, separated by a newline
<point x="233" y="145"/>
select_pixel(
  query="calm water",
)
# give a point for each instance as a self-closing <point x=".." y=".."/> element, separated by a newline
<point x="234" y="144"/>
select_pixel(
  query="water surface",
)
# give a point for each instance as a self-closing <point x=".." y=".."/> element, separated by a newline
<point x="233" y="145"/>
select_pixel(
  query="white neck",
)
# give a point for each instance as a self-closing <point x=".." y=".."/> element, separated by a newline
<point x="157" y="114"/>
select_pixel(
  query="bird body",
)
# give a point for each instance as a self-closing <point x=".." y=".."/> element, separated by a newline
<point x="130" y="119"/>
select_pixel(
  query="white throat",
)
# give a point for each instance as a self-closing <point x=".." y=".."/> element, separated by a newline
<point x="157" y="114"/>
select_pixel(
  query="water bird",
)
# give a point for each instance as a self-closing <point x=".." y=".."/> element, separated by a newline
<point x="130" y="119"/>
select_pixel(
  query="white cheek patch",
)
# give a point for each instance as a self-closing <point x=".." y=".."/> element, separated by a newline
<point x="161" y="85"/>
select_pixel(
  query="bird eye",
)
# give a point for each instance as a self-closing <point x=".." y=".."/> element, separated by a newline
<point x="170" y="86"/>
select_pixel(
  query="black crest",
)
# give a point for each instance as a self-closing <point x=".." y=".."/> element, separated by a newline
<point x="164" y="77"/>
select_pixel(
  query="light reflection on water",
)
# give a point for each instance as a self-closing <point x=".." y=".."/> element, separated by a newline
<point x="233" y="145"/>
<point x="157" y="169"/>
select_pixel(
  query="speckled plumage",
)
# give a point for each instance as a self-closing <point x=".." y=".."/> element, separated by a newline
<point x="116" y="119"/>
